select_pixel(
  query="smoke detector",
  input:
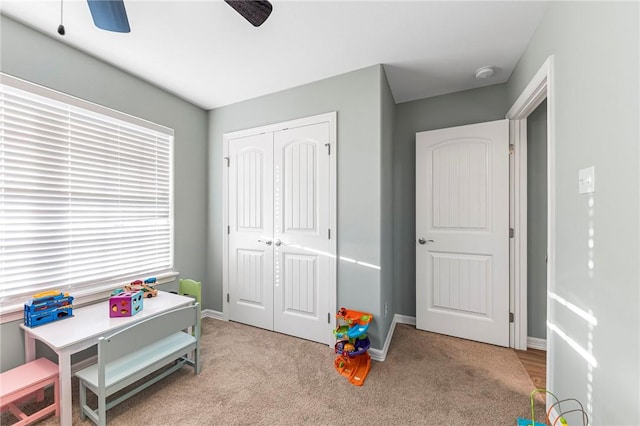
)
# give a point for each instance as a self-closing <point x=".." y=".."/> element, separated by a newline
<point x="484" y="72"/>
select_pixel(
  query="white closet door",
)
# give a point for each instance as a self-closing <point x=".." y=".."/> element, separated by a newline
<point x="251" y="224"/>
<point x="302" y="250"/>
<point x="462" y="226"/>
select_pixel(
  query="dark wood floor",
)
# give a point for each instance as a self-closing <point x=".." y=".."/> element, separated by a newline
<point x="535" y="362"/>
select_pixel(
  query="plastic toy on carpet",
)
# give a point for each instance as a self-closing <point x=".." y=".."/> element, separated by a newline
<point x="559" y="414"/>
<point x="353" y="360"/>
<point x="354" y="369"/>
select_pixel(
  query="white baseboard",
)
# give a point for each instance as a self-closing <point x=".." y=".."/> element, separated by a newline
<point x="405" y="319"/>
<point x="376" y="354"/>
<point x="210" y="313"/>
<point x="381" y="354"/>
<point x="537" y="343"/>
<point x="84" y="364"/>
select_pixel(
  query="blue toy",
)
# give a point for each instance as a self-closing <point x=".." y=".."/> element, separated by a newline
<point x="527" y="422"/>
<point x="47" y="307"/>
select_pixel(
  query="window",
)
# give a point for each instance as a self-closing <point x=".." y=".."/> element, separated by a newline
<point x="85" y="195"/>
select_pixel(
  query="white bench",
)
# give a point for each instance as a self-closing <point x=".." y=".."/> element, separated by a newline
<point x="135" y="352"/>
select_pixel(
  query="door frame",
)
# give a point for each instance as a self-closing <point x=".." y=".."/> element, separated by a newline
<point x="541" y="87"/>
<point x="331" y="118"/>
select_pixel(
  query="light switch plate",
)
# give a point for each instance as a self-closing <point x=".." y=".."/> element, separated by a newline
<point x="587" y="180"/>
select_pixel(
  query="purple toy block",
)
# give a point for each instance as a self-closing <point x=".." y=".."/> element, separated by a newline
<point x="125" y="304"/>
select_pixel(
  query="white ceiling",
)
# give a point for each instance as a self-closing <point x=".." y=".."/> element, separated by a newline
<point x="206" y="53"/>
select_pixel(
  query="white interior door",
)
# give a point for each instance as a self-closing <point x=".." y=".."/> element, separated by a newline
<point x="280" y="258"/>
<point x="462" y="232"/>
<point x="250" y="254"/>
<point x="301" y="232"/>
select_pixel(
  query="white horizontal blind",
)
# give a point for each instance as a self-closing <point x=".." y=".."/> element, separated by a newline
<point x="85" y="199"/>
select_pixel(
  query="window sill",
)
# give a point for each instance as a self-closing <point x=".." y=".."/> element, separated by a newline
<point x="82" y="297"/>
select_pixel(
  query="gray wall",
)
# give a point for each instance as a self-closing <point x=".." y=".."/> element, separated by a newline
<point x="387" y="122"/>
<point x="457" y="109"/>
<point x="35" y="57"/>
<point x="537" y="222"/>
<point x="356" y="97"/>
<point x="596" y="50"/>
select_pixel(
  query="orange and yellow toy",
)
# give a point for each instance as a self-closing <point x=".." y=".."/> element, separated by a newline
<point x="353" y="360"/>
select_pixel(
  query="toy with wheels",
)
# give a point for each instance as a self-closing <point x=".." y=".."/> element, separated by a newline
<point x="47" y="307"/>
<point x="145" y="287"/>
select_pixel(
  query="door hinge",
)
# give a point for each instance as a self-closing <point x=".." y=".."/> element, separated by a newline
<point x="510" y="316"/>
<point x="328" y="317"/>
<point x="329" y="233"/>
<point x="228" y="161"/>
<point x="328" y="145"/>
<point x="227" y="297"/>
<point x="512" y="232"/>
<point x="228" y="230"/>
<point x="512" y="148"/>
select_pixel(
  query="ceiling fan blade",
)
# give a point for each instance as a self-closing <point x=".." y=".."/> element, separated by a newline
<point x="109" y="15"/>
<point x="254" y="11"/>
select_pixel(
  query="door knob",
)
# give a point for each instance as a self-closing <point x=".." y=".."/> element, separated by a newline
<point x="423" y="241"/>
<point x="278" y="242"/>
<point x="267" y="242"/>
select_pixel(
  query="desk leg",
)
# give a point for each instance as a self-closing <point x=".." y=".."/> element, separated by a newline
<point x="29" y="348"/>
<point x="64" y="372"/>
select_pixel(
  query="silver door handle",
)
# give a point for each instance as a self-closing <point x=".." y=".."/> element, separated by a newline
<point x="267" y="242"/>
<point x="423" y="241"/>
<point x="278" y="242"/>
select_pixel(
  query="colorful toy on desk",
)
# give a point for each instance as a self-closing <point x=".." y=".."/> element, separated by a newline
<point x="125" y="304"/>
<point x="47" y="307"/>
<point x="145" y="287"/>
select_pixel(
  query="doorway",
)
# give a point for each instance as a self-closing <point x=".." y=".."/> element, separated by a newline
<point x="537" y="228"/>
<point x="539" y="90"/>
<point x="279" y="267"/>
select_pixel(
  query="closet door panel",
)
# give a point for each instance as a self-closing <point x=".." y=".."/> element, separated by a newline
<point x="301" y="231"/>
<point x="251" y="230"/>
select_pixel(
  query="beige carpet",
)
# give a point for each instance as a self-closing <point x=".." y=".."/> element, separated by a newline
<point x="251" y="376"/>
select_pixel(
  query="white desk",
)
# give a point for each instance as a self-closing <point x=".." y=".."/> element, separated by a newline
<point x="81" y="331"/>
